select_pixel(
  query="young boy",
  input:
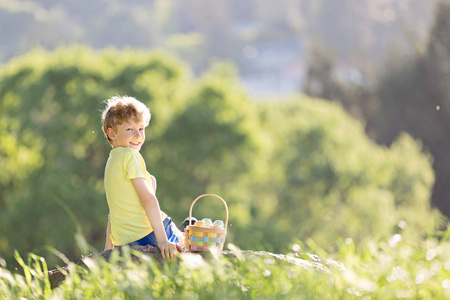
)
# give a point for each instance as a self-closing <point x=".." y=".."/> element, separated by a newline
<point x="134" y="214"/>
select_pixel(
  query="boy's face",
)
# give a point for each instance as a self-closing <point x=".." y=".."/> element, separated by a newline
<point x="130" y="134"/>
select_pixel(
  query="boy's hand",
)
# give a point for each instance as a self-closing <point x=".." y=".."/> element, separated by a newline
<point x="168" y="250"/>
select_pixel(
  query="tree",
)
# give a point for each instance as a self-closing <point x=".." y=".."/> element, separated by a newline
<point x="410" y="96"/>
<point x="326" y="180"/>
<point x="413" y="97"/>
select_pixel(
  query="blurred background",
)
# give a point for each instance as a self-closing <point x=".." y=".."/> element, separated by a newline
<point x="315" y="120"/>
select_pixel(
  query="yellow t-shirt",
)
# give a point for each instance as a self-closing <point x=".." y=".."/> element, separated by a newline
<point x="129" y="221"/>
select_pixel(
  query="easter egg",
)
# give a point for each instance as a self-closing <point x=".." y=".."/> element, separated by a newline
<point x="199" y="223"/>
<point x="207" y="222"/>
<point x="218" y="223"/>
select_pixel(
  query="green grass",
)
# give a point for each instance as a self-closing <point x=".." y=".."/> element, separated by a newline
<point x="390" y="269"/>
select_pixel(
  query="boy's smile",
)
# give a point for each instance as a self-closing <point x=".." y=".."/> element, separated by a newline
<point x="130" y="134"/>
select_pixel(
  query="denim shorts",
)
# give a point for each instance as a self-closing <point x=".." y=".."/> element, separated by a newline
<point x="169" y="227"/>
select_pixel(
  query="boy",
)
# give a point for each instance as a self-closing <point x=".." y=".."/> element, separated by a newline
<point x="134" y="217"/>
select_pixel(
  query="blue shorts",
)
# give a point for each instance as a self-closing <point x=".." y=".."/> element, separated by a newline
<point x="169" y="227"/>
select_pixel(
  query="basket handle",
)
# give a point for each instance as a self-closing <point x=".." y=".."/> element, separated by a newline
<point x="204" y="195"/>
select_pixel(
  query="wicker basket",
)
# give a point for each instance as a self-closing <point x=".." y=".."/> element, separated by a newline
<point x="203" y="238"/>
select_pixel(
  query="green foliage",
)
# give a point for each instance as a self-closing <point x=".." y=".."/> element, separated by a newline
<point x="194" y="277"/>
<point x="325" y="179"/>
<point x="33" y="284"/>
<point x="209" y="147"/>
<point x="380" y="269"/>
<point x="292" y="170"/>
<point x="398" y="268"/>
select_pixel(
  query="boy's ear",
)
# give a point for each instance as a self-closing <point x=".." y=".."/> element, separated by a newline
<point x="110" y="133"/>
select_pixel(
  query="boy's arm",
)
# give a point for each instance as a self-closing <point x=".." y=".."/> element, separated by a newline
<point x="151" y="206"/>
<point x="153" y="179"/>
<point x="108" y="245"/>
